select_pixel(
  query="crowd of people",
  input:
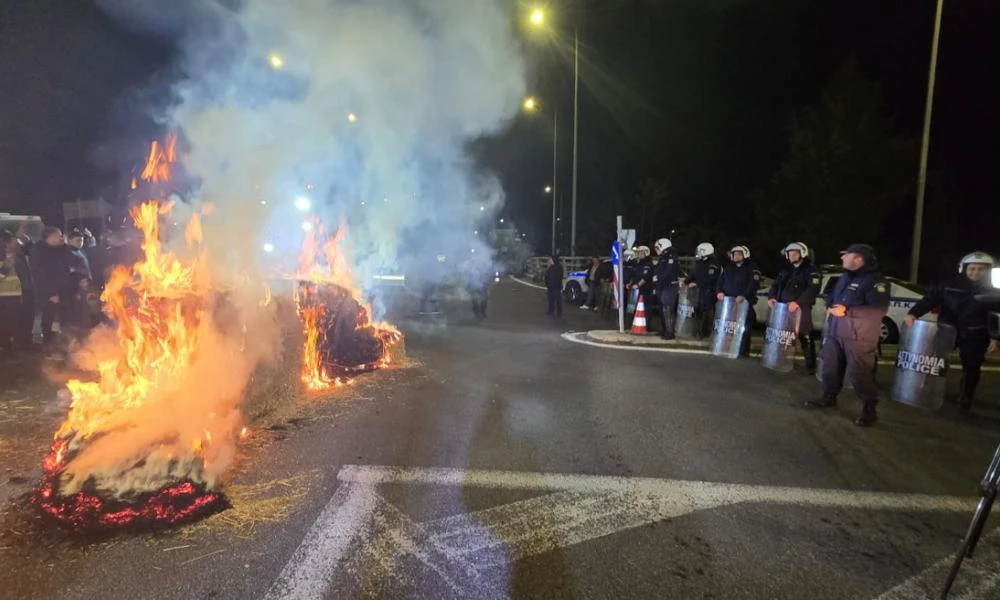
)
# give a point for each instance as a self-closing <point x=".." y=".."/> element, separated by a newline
<point x="856" y="306"/>
<point x="50" y="281"/>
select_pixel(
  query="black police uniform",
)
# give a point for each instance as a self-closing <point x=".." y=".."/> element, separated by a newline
<point x="959" y="308"/>
<point x="800" y="284"/>
<point x="850" y="343"/>
<point x="666" y="275"/>
<point x="741" y="280"/>
<point x="644" y="276"/>
<point x="705" y="276"/>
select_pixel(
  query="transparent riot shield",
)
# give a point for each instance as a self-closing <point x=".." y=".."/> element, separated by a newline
<point x="922" y="364"/>
<point x="730" y="325"/>
<point x="780" y="338"/>
<point x="687" y="324"/>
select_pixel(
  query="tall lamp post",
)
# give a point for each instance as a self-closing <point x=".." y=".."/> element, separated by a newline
<point x="531" y="106"/>
<point x="918" y="217"/>
<point x="537" y="20"/>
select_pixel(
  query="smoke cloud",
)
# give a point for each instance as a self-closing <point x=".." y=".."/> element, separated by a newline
<point x="363" y="107"/>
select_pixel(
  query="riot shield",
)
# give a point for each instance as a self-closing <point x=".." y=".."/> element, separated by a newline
<point x="687" y="324"/>
<point x="922" y="364"/>
<point x="730" y="325"/>
<point x="780" y="337"/>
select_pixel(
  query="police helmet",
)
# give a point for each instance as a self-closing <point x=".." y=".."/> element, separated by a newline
<point x="743" y="249"/>
<point x="704" y="250"/>
<point x="642" y="249"/>
<point x="629" y="254"/>
<point x="802" y="248"/>
<point x="662" y="244"/>
<point x="975" y="258"/>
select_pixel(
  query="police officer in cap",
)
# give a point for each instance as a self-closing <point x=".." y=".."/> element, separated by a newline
<point x="798" y="285"/>
<point x="740" y="279"/>
<point x="959" y="308"/>
<point x="853" y="325"/>
<point x="665" y="281"/>
<point x="704" y="277"/>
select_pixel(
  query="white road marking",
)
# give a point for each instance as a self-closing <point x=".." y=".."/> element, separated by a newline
<point x="577" y="337"/>
<point x="310" y="571"/>
<point x="976" y="579"/>
<point x="360" y="534"/>
<point x="529" y="284"/>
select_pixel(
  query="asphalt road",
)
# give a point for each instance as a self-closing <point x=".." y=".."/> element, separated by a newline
<point x="503" y="461"/>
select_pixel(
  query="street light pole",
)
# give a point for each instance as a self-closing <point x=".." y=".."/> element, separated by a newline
<point x="918" y="218"/>
<point x="576" y="123"/>
<point x="555" y="176"/>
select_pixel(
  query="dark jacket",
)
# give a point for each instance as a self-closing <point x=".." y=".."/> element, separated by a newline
<point x="644" y="276"/>
<point x="21" y="270"/>
<point x="605" y="271"/>
<point x="78" y="262"/>
<point x="706" y="276"/>
<point x="959" y="308"/>
<point x="739" y="280"/>
<point x="797" y="284"/>
<point x="628" y="272"/>
<point x="865" y="293"/>
<point x="554" y="277"/>
<point x="668" y="270"/>
<point x="50" y="267"/>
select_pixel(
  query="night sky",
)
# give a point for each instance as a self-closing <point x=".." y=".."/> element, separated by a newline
<point x="695" y="93"/>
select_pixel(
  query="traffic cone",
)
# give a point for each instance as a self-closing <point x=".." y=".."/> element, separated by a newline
<point x="639" y="321"/>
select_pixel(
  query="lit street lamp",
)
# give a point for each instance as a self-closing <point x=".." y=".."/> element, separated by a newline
<point x="548" y="189"/>
<point x="537" y="20"/>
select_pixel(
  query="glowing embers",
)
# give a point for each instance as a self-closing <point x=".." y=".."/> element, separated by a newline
<point x="92" y="509"/>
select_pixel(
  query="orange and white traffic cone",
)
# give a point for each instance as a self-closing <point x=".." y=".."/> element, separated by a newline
<point x="639" y="321"/>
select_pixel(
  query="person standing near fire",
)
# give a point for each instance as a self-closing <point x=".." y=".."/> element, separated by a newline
<point x="50" y="265"/>
<point x="956" y="299"/>
<point x="797" y="285"/>
<point x="553" y="286"/>
<point x="16" y="308"/>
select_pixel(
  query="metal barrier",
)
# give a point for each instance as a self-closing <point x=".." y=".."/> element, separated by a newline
<point x="922" y="364"/>
<point x="780" y="337"/>
<point x="730" y="325"/>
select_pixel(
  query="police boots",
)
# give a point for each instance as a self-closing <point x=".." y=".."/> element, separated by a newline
<point x="868" y="416"/>
<point x="809" y="353"/>
<point x="668" y="324"/>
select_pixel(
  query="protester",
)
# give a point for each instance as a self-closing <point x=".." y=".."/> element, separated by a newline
<point x="593" y="289"/>
<point x="50" y="268"/>
<point x="79" y="262"/>
<point x="553" y="285"/>
<point x="83" y="309"/>
<point x="16" y="308"/>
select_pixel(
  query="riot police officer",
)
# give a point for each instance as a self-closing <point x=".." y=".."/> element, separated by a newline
<point x="798" y="285"/>
<point x="665" y="281"/>
<point x="740" y="279"/>
<point x="853" y="324"/>
<point x="643" y="280"/>
<point x="704" y="277"/>
<point x="959" y="308"/>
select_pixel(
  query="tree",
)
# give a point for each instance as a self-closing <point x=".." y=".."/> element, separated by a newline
<point x="845" y="176"/>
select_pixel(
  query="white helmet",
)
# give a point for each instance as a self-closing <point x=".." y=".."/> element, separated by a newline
<point x="704" y="250"/>
<point x="975" y="258"/>
<point x="802" y="248"/>
<point x="629" y="254"/>
<point x="743" y="249"/>
<point x="642" y="249"/>
<point x="662" y="244"/>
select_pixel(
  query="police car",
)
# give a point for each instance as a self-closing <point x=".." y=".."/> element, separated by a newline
<point x="903" y="295"/>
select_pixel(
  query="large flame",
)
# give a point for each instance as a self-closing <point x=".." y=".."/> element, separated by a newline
<point x="325" y="261"/>
<point x="137" y="434"/>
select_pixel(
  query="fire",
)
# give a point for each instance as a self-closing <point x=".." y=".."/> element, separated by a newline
<point x="161" y="310"/>
<point x="324" y="265"/>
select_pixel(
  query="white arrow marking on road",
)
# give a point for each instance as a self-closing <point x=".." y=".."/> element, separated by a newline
<point x="579" y="508"/>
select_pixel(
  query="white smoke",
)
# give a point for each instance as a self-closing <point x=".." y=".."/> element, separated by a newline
<point x="369" y="103"/>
